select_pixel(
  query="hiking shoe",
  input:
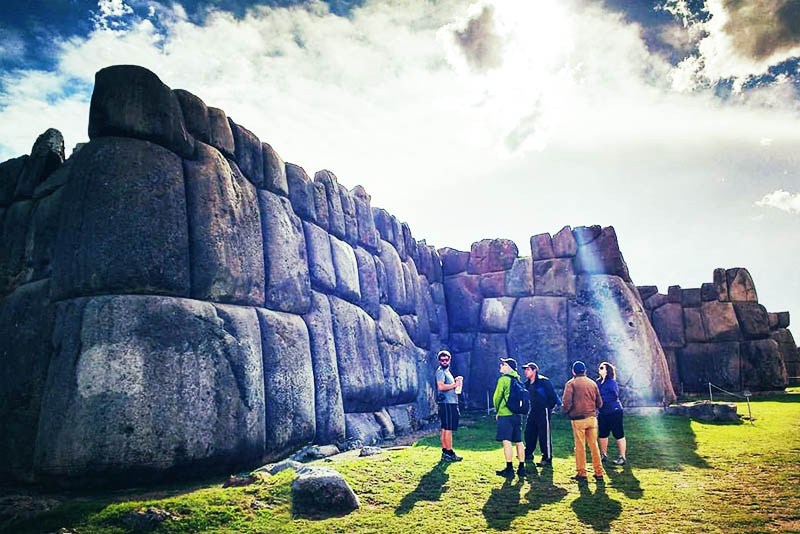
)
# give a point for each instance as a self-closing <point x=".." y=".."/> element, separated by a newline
<point x="603" y="458"/>
<point x="599" y="478"/>
<point x="620" y="461"/>
<point x="508" y="472"/>
<point x="450" y="457"/>
<point x="522" y="472"/>
<point x="454" y="457"/>
<point x="544" y="463"/>
<point x="579" y="478"/>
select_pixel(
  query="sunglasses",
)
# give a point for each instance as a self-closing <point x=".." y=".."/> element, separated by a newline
<point x="444" y="359"/>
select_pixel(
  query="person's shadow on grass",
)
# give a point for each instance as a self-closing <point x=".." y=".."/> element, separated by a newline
<point x="625" y="481"/>
<point x="503" y="505"/>
<point x="543" y="491"/>
<point x="596" y="510"/>
<point x="430" y="488"/>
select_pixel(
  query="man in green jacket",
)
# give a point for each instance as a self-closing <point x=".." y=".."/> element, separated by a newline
<point x="509" y="425"/>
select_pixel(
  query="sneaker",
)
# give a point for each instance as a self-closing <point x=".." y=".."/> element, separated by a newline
<point x="599" y="478"/>
<point x="544" y="463"/>
<point x="448" y="458"/>
<point x="578" y="478"/>
<point x="521" y="471"/>
<point x="603" y="458"/>
<point x="620" y="461"/>
<point x="508" y="472"/>
<point x="454" y="457"/>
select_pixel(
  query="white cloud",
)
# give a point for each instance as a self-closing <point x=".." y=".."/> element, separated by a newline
<point x="782" y="200"/>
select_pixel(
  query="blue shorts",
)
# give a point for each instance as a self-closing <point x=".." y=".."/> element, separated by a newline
<point x="509" y="428"/>
<point x="448" y="416"/>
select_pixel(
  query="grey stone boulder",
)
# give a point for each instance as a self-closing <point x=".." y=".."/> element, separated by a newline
<point x="368" y="282"/>
<point x="220" y="134"/>
<point x="694" y="328"/>
<point x="553" y="278"/>
<point x="321" y="205"/>
<point x="586" y="234"/>
<point x="363" y="427"/>
<point x="320" y="258"/>
<point x="444" y="321"/>
<point x="708" y="292"/>
<point x="783" y="319"/>
<point x="383" y="224"/>
<point x="773" y="320"/>
<point x="346" y="267"/>
<point x="395" y="279"/>
<point x="463" y="299"/>
<point x="519" y="280"/>
<point x="423" y="316"/>
<point x="398" y="357"/>
<point x="701" y="363"/>
<point x="542" y="247"/>
<point x="288" y="382"/>
<point x="387" y="430"/>
<point x="195" y="115"/>
<point x="491" y="255"/>
<point x="47" y="155"/>
<point x="721" y="284"/>
<point x="349" y="213"/>
<point x="227" y="255"/>
<point x="763" y="367"/>
<point x="249" y="153"/>
<point x="647" y="291"/>
<point x="705" y="411"/>
<point x="359" y="361"/>
<point x="402" y="418"/>
<point x="453" y="261"/>
<point x="368" y="235"/>
<point x="602" y="256"/>
<point x="133" y="200"/>
<point x="274" y="171"/>
<point x="484" y="365"/>
<point x="720" y="321"/>
<point x="370" y="451"/>
<point x="285" y="259"/>
<point x="668" y="323"/>
<point x="424" y="259"/>
<point x="410" y="283"/>
<point x="461" y="365"/>
<point x="428" y="307"/>
<point x="283" y="465"/>
<point x="564" y="244"/>
<point x="26" y="328"/>
<point x="538" y="332"/>
<point x="301" y="192"/>
<point x="691" y="298"/>
<point x="314" y="452"/>
<point x="740" y="285"/>
<point x="131" y="101"/>
<point x="753" y="319"/>
<point x="321" y="491"/>
<point x="144" y="386"/>
<point x="334" y="201"/>
<point x="674" y="371"/>
<point x="496" y="313"/>
<point x="493" y="284"/>
<point x="329" y="408"/>
<point x="9" y="176"/>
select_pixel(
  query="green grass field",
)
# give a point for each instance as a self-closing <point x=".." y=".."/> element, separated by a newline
<point x="683" y="476"/>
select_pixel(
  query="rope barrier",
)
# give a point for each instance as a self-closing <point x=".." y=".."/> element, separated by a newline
<point x="745" y="395"/>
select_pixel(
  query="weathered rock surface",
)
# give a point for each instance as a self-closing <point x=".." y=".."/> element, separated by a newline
<point x="9" y="176"/>
<point x="762" y="365"/>
<point x="586" y="234"/>
<point x="395" y="279"/>
<point x="363" y="428"/>
<point x="368" y="282"/>
<point x="220" y="134"/>
<point x="464" y="298"/>
<point x="453" y="261"/>
<point x="491" y="255"/>
<point x="12" y="255"/>
<point x="322" y="491"/>
<point x="484" y="368"/>
<point x="752" y="318"/>
<point x="564" y="244"/>
<point x="349" y="213"/>
<point x="320" y="258"/>
<point x="301" y="192"/>
<point x="705" y="411"/>
<point x="601" y="256"/>
<point x="495" y="314"/>
<point x="537" y="332"/>
<point x="274" y="171"/>
<point x="542" y="247"/>
<point x="493" y="284"/>
<point x="249" y="153"/>
<point x="519" y="280"/>
<point x="553" y="278"/>
<point x="346" y="267"/>
<point x="721" y="285"/>
<point x="701" y="363"/>
<point x="694" y="328"/>
<point x="321" y="205"/>
<point x="668" y="323"/>
<point x="47" y="155"/>
<point x="398" y="358"/>
<point x="195" y="115"/>
<point x="740" y="285"/>
<point x="334" y="201"/>
<point x="720" y="321"/>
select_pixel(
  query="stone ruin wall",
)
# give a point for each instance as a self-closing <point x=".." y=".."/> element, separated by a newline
<point x="175" y="298"/>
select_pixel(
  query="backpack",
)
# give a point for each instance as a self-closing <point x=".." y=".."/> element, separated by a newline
<point x="519" y="400"/>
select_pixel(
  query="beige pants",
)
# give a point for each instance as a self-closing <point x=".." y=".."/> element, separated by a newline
<point x="585" y="430"/>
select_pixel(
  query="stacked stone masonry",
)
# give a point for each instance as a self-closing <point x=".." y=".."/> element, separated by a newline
<point x="176" y="299"/>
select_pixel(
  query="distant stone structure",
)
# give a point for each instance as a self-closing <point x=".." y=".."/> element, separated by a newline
<point x="175" y="299"/>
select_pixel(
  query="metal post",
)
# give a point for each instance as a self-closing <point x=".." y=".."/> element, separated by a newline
<point x="710" y="396"/>
<point x="487" y="403"/>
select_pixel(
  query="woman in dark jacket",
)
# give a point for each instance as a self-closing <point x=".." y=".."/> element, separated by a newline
<point x="609" y="417"/>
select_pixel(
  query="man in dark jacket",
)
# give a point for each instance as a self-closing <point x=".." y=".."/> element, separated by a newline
<point x="543" y="400"/>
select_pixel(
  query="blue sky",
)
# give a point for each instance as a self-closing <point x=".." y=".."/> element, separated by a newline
<point x="674" y="121"/>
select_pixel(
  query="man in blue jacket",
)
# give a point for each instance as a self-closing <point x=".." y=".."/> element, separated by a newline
<point x="543" y="400"/>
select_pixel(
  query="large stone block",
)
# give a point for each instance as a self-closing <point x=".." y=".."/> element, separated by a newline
<point x="656" y="301"/>
<point x="542" y="247"/>
<point x="16" y="223"/>
<point x="368" y="282"/>
<point x="701" y="363"/>
<point x="321" y="205"/>
<point x="425" y="259"/>
<point x="399" y="242"/>
<point x="460" y="365"/>
<point x="220" y="134"/>
<point x="740" y="285"/>
<point x="368" y="235"/>
<point x="335" y="214"/>
<point x="453" y="261"/>
<point x="646" y="292"/>
<point x="383" y="284"/>
<point x="26" y="328"/>
<point x="383" y="223"/>
<point x="694" y="327"/>
<point x="586" y="234"/>
<point x="783" y="319"/>
<point x="607" y="322"/>
<point x="491" y="255"/>
<point x="553" y="278"/>
<point x="249" y="153"/>
<point x="320" y="258"/>
<point x="438" y="275"/>
<point x="288" y="281"/>
<point x="668" y="322"/>
<point x="674" y="371"/>
<point x="346" y="267"/>
<point x="538" y="333"/>
<point x="398" y="358"/>
<point x="349" y="213"/>
<point x="420" y="304"/>
<point x="493" y="284"/>
<point x="402" y="417"/>
<point x="395" y="279"/>
<point x="495" y="314"/>
<point x="720" y="321"/>
<point x="428" y="305"/>
<point x="602" y="256"/>
<point x="9" y="176"/>
<point x="360" y="371"/>
<point x="463" y="297"/>
<point x="225" y="244"/>
<point x="195" y="115"/>
<point x="409" y="242"/>
<point x="691" y="298"/>
<point x="444" y="322"/>
<point x="763" y="367"/>
<point x="132" y="234"/>
<point x="363" y="427"/>
<point x="753" y="319"/>
<point x="131" y="101"/>
<point x="47" y="155"/>
<point x="519" y="280"/>
<point x="461" y="342"/>
<point x="484" y="368"/>
<point x="329" y="409"/>
<point x="564" y="244"/>
<point x="708" y="292"/>
<point x="42" y="236"/>
<point x="274" y="171"/>
<point x="721" y="284"/>
<point x="301" y="192"/>
<point x="147" y="386"/>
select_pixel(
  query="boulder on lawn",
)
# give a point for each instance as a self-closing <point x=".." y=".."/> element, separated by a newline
<point x="363" y="428"/>
<point x="321" y="491"/>
<point x="705" y="411"/>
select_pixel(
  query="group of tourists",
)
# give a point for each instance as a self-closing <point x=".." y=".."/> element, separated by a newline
<point x="593" y="407"/>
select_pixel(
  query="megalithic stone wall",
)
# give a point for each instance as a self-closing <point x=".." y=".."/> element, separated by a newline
<point x="719" y="333"/>
<point x="572" y="299"/>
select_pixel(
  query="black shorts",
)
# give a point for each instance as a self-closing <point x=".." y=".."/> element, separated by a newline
<point x="610" y="423"/>
<point x="509" y="428"/>
<point x="448" y="416"/>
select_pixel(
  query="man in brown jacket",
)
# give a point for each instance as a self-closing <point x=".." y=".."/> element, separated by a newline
<point x="581" y="402"/>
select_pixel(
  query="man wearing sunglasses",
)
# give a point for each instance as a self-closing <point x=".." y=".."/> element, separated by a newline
<point x="448" y="405"/>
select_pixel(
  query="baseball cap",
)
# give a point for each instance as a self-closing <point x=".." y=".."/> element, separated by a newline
<point x="511" y="362"/>
<point x="531" y="365"/>
<point x="579" y="367"/>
